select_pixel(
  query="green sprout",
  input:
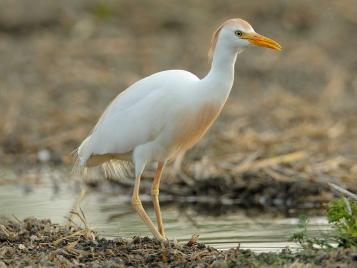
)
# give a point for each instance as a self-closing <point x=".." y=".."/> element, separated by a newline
<point x="342" y="214"/>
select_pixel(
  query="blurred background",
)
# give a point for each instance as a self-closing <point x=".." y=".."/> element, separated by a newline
<point x="289" y="127"/>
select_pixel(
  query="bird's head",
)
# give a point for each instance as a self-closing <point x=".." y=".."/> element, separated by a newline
<point x="237" y="34"/>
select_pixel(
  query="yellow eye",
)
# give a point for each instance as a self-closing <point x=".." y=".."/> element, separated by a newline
<point x="238" y="33"/>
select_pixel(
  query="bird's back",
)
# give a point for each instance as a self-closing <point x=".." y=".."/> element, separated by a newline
<point x="136" y="116"/>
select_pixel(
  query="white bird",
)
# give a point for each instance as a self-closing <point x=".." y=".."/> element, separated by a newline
<point x="165" y="114"/>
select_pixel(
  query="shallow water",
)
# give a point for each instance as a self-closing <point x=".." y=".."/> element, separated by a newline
<point x="112" y="216"/>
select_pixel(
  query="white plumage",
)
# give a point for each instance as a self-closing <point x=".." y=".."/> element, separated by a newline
<point x="140" y="115"/>
<point x="166" y="113"/>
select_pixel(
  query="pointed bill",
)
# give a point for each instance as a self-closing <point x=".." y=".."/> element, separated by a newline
<point x="261" y="40"/>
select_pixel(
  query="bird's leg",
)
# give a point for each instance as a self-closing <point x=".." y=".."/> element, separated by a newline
<point x="136" y="202"/>
<point x="177" y="167"/>
<point x="76" y="206"/>
<point x="155" y="197"/>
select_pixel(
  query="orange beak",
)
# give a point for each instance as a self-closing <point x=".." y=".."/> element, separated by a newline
<point x="261" y="40"/>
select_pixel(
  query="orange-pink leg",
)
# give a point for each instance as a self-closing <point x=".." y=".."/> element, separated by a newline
<point x="136" y="202"/>
<point x="155" y="197"/>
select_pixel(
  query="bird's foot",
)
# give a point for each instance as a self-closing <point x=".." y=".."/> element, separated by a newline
<point x="160" y="237"/>
<point x="164" y="237"/>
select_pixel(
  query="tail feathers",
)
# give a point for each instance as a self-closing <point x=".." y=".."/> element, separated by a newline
<point x="81" y="155"/>
<point x="113" y="168"/>
<point x="79" y="168"/>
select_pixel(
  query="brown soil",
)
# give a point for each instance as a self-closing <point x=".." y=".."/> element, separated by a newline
<point x="40" y="243"/>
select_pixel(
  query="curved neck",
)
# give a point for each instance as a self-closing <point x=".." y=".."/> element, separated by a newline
<point x="221" y="75"/>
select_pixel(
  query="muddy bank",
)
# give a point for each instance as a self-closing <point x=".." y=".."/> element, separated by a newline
<point x="214" y="195"/>
<point x="42" y="243"/>
<point x="220" y="195"/>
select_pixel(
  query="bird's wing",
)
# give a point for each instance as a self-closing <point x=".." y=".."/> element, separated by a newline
<point x="161" y="82"/>
<point x="136" y="116"/>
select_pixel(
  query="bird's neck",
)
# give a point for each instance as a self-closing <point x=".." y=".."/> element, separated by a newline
<point x="219" y="80"/>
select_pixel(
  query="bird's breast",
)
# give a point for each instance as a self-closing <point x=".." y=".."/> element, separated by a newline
<point x="193" y="124"/>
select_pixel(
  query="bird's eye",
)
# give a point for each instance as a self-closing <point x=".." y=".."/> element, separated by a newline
<point x="238" y="33"/>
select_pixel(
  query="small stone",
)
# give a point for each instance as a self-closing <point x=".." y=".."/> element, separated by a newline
<point x="43" y="155"/>
<point x="33" y="238"/>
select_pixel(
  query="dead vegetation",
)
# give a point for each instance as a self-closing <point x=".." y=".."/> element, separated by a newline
<point x="34" y="242"/>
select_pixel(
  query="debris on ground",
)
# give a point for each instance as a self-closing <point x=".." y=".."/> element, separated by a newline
<point x="34" y="242"/>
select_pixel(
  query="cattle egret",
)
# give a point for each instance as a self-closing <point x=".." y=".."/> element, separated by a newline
<point x="165" y="114"/>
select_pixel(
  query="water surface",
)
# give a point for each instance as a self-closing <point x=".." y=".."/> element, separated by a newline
<point x="112" y="216"/>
